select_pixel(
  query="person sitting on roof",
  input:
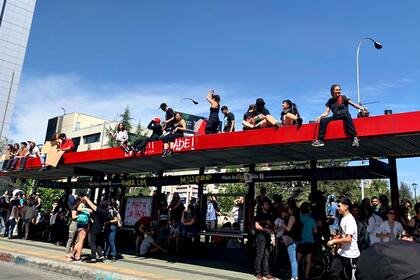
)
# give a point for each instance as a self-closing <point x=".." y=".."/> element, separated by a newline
<point x="290" y="114"/>
<point x="263" y="118"/>
<point x="248" y="120"/>
<point x="33" y="153"/>
<point x="157" y="131"/>
<point x="339" y="105"/>
<point x="23" y="153"/>
<point x="121" y="136"/>
<point x="7" y="155"/>
<point x="168" y="124"/>
<point x="67" y="144"/>
<point x="178" y="131"/>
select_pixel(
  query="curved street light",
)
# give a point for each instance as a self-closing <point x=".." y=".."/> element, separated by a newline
<point x="378" y="46"/>
<point x="187" y="98"/>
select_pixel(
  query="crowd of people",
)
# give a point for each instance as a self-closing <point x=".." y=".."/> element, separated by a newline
<point x="347" y="228"/>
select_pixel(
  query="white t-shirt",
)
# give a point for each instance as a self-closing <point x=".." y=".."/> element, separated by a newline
<point x="279" y="222"/>
<point x="145" y="245"/>
<point x="122" y="136"/>
<point x="35" y="152"/>
<point x="374" y="223"/>
<point x="349" y="227"/>
<point x="385" y="228"/>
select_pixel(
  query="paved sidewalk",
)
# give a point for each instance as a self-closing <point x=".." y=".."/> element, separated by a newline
<point x="49" y="257"/>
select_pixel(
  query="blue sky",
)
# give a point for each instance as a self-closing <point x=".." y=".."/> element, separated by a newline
<point x="97" y="57"/>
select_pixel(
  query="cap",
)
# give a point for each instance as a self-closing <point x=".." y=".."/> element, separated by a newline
<point x="31" y="141"/>
<point x="156" y="120"/>
<point x="260" y="101"/>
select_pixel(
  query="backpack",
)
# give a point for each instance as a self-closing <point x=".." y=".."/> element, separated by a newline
<point x="363" y="239"/>
<point x="117" y="214"/>
<point x="83" y="218"/>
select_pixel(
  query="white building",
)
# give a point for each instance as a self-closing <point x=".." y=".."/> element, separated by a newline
<point x="86" y="131"/>
<point x="15" y="25"/>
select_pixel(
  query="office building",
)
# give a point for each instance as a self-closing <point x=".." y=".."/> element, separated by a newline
<point x="15" y="24"/>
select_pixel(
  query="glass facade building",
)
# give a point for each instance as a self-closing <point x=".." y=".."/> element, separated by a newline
<point x="15" y="24"/>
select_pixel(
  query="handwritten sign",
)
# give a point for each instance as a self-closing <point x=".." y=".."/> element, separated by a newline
<point x="136" y="208"/>
<point x="184" y="144"/>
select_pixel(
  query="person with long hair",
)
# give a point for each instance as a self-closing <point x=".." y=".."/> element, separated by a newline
<point x="180" y="127"/>
<point x="212" y="125"/>
<point x="290" y="113"/>
<point x="291" y="235"/>
<point x="7" y="156"/>
<point x="72" y="228"/>
<point x="176" y="207"/>
<point x="339" y="105"/>
<point x="121" y="136"/>
<point x="96" y="234"/>
<point x="82" y="228"/>
<point x="111" y="227"/>
<point x="263" y="117"/>
<point x="248" y="121"/>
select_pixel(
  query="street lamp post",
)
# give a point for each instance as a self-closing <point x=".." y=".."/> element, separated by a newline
<point x="187" y="98"/>
<point x="415" y="193"/>
<point x="378" y="46"/>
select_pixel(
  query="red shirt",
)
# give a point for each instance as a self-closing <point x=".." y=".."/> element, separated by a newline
<point x="68" y="143"/>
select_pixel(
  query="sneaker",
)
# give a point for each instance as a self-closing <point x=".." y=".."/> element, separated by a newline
<point x="101" y="259"/>
<point x="277" y="124"/>
<point x="318" y="143"/>
<point x="169" y="153"/>
<point x="165" y="153"/>
<point x="355" y="142"/>
<point x="91" y="261"/>
<point x="260" y="277"/>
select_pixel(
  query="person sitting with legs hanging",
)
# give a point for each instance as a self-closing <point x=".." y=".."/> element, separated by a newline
<point x="339" y="105"/>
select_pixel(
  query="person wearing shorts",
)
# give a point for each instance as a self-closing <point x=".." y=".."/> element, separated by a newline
<point x="306" y="246"/>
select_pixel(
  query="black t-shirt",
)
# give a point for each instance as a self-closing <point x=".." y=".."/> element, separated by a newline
<point x="176" y="214"/>
<point x="99" y="219"/>
<point x="265" y="220"/>
<point x="263" y="111"/>
<point x="336" y="108"/>
<point x="155" y="128"/>
<point x="292" y="110"/>
<point x="169" y="115"/>
<point x="230" y="117"/>
<point x="163" y="217"/>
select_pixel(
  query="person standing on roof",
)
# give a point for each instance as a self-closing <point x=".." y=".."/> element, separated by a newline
<point x="212" y="126"/>
<point x="229" y="120"/>
<point x="339" y="105"/>
<point x="169" y="122"/>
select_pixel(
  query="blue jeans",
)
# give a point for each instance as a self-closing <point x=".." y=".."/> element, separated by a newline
<point x="110" y="241"/>
<point x="291" y="250"/>
<point x="11" y="227"/>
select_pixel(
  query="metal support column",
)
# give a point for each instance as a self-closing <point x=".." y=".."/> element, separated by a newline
<point x="314" y="181"/>
<point x="201" y="206"/>
<point x="393" y="182"/>
<point x="250" y="203"/>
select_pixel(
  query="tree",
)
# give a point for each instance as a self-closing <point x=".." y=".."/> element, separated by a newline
<point x="377" y="187"/>
<point x="405" y="192"/>
<point x="126" y="119"/>
<point x="140" y="134"/>
<point x="226" y="203"/>
<point x="111" y="131"/>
